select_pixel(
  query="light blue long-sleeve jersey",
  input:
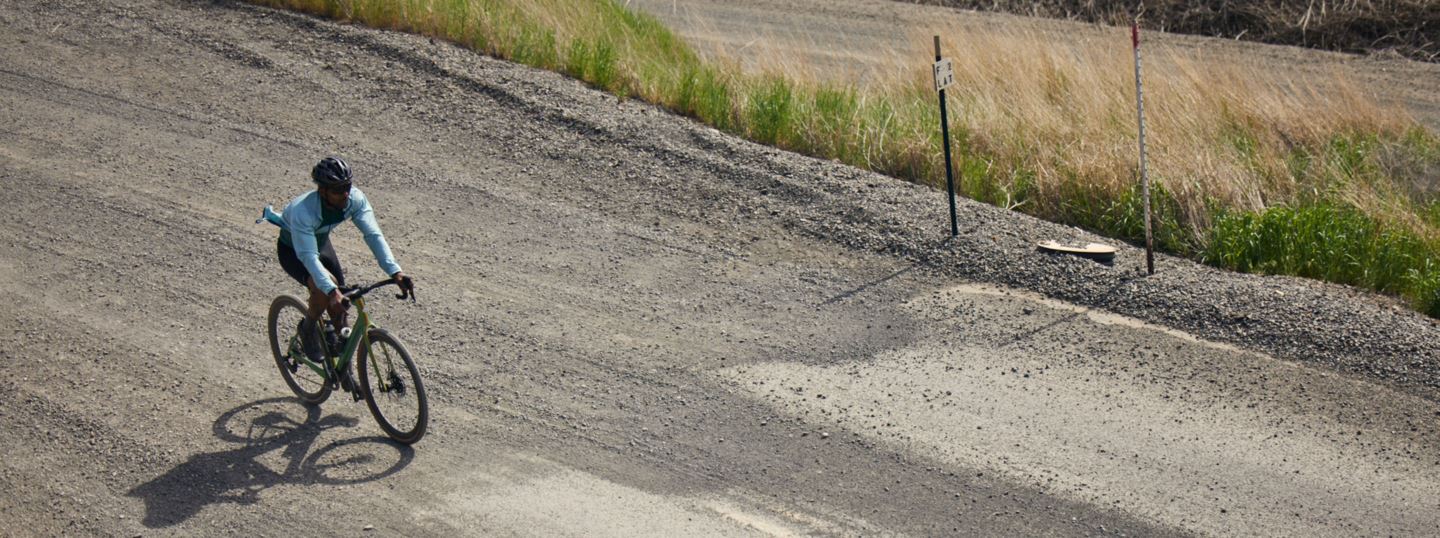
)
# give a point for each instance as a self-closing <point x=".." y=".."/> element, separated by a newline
<point x="307" y="225"/>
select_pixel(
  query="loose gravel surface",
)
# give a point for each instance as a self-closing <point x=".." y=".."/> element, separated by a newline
<point x="629" y="324"/>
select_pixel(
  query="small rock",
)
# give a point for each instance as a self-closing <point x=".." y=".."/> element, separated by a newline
<point x="369" y="528"/>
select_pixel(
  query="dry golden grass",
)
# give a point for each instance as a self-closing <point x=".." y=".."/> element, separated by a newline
<point x="1219" y="130"/>
<point x="1222" y="131"/>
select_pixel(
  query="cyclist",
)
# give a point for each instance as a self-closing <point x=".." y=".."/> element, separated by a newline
<point x="306" y="253"/>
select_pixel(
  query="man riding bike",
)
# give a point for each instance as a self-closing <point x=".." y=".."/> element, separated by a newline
<point x="306" y="253"/>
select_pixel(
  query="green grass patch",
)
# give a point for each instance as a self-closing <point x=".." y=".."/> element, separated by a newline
<point x="594" y="62"/>
<point x="1087" y="205"/>
<point x="1331" y="242"/>
<point x="769" y="112"/>
<point x="704" y="94"/>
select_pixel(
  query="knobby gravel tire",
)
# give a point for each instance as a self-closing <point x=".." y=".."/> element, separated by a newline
<point x="402" y="413"/>
<point x="309" y="388"/>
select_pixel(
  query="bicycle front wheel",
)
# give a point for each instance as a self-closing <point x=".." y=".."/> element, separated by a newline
<point x="284" y="328"/>
<point x="393" y="390"/>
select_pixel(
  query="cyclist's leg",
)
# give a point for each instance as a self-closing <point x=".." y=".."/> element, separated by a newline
<point x="296" y="269"/>
<point x="309" y="335"/>
<point x="318" y="302"/>
<point x="332" y="264"/>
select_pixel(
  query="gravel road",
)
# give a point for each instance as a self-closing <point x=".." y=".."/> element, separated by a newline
<point x="629" y="324"/>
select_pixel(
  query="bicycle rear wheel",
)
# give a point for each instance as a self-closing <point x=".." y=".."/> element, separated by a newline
<point x="283" y="325"/>
<point x="393" y="390"/>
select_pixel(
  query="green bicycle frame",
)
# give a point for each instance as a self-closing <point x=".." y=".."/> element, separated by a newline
<point x="361" y="328"/>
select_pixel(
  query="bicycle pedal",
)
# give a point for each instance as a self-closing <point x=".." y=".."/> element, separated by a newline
<point x="347" y="383"/>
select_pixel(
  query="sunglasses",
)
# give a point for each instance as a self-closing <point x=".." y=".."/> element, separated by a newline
<point x="337" y="189"/>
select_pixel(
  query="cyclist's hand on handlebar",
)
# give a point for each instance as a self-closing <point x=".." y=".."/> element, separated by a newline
<point x="403" y="281"/>
<point x="336" y="298"/>
<point x="407" y="285"/>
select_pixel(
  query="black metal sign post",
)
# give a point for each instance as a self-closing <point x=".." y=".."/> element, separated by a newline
<point x="944" y="76"/>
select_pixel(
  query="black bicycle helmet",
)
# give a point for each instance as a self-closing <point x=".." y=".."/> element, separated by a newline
<point x="331" y="172"/>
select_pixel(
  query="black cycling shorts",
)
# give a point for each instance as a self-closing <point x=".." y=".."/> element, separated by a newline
<point x="296" y="269"/>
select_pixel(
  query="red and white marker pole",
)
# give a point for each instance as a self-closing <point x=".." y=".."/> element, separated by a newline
<point x="1144" y="174"/>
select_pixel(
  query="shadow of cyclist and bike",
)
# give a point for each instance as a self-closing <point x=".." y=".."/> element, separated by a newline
<point x="276" y="437"/>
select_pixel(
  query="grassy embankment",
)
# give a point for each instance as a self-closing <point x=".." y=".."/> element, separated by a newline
<point x="1270" y="175"/>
